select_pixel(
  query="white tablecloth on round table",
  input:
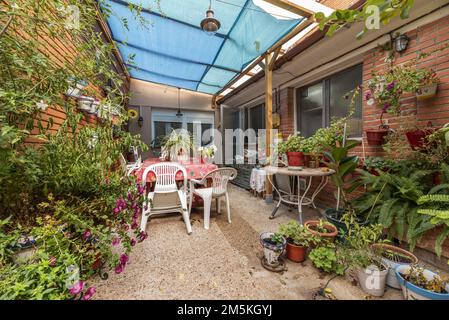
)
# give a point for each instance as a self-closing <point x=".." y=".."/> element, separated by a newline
<point x="257" y="180"/>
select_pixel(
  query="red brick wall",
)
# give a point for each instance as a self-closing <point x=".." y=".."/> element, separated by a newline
<point x="286" y="111"/>
<point x="436" y="110"/>
<point x="423" y="39"/>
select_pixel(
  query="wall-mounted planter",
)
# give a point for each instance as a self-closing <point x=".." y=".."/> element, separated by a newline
<point x="75" y="89"/>
<point x="85" y="103"/>
<point x="427" y="92"/>
<point x="418" y="138"/>
<point x="376" y="137"/>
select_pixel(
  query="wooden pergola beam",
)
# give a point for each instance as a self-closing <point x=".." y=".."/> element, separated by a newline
<point x="292" y="7"/>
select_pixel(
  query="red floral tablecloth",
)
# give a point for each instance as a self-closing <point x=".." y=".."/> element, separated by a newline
<point x="195" y="170"/>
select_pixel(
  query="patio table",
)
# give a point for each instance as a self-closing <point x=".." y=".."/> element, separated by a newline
<point x="299" y="199"/>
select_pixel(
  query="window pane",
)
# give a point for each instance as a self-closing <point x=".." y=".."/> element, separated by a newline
<point x="257" y="117"/>
<point x="341" y="85"/>
<point x="311" y="106"/>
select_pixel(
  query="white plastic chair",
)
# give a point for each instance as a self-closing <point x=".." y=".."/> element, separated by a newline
<point x="130" y="167"/>
<point x="166" y="187"/>
<point x="218" y="188"/>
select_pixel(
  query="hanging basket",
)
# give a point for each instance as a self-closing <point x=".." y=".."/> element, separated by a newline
<point x="376" y="137"/>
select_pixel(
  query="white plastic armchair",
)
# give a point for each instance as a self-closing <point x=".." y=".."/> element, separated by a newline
<point x="215" y="187"/>
<point x="165" y="189"/>
<point x="130" y="167"/>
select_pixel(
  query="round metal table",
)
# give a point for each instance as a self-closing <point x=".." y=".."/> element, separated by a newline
<point x="299" y="199"/>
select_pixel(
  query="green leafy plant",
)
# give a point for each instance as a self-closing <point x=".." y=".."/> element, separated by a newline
<point x="326" y="258"/>
<point x="296" y="234"/>
<point x="293" y="144"/>
<point x="338" y="159"/>
<point x="388" y="10"/>
<point x="416" y="276"/>
<point x="176" y="143"/>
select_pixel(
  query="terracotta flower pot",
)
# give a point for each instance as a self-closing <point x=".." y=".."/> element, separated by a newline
<point x="393" y="257"/>
<point x="332" y="230"/>
<point x="418" y="138"/>
<point x="296" y="253"/>
<point x="295" y="159"/>
<point x="376" y="137"/>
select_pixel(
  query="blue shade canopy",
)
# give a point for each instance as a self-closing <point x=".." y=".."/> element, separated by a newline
<point x="170" y="47"/>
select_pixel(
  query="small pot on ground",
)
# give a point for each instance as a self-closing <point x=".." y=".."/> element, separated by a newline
<point x="376" y="137"/>
<point x="393" y="257"/>
<point x="296" y="253"/>
<point x="373" y="278"/>
<point x="412" y="291"/>
<point x="272" y="249"/>
<point x="322" y="229"/>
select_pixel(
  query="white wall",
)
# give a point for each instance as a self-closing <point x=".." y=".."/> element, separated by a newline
<point x="148" y="96"/>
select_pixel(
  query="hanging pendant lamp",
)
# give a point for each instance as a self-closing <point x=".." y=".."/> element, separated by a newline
<point x="210" y="24"/>
<point x="179" y="113"/>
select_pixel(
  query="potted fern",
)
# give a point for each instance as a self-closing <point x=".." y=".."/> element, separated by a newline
<point x="177" y="146"/>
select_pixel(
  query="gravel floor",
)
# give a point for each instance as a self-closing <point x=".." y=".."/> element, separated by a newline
<point x="220" y="263"/>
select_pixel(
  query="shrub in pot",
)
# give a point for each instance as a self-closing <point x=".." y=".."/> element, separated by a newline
<point x="292" y="148"/>
<point x="393" y="257"/>
<point x="273" y="245"/>
<point x="298" y="240"/>
<point x="421" y="284"/>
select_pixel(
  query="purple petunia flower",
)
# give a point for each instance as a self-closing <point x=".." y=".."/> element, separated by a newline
<point x="386" y="107"/>
<point x="124" y="259"/>
<point x="89" y="293"/>
<point x="133" y="242"/>
<point x="77" y="288"/>
<point x="87" y="234"/>
<point x="130" y="196"/>
<point x="116" y="241"/>
<point x="119" y="268"/>
<point x="142" y="236"/>
<point x="134" y="225"/>
<point x="367" y="95"/>
<point x="390" y="86"/>
<point x="140" y="189"/>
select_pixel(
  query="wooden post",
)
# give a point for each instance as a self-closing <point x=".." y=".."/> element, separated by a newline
<point x="269" y="64"/>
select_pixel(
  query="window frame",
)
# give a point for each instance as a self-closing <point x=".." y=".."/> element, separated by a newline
<point x="326" y="118"/>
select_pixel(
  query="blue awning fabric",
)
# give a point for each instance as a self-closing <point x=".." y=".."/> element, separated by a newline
<point x="172" y="49"/>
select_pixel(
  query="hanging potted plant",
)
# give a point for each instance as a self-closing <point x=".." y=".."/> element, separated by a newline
<point x="393" y="257"/>
<point x="292" y="148"/>
<point x="273" y="245"/>
<point x="298" y="240"/>
<point x="421" y="284"/>
<point x="418" y="137"/>
<point x="428" y="84"/>
<point x="177" y="146"/>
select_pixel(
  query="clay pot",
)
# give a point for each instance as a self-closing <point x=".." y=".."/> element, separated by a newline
<point x="295" y="159"/>
<point x="332" y="230"/>
<point x="418" y="138"/>
<point x="296" y="253"/>
<point x="408" y="258"/>
<point x="376" y="137"/>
